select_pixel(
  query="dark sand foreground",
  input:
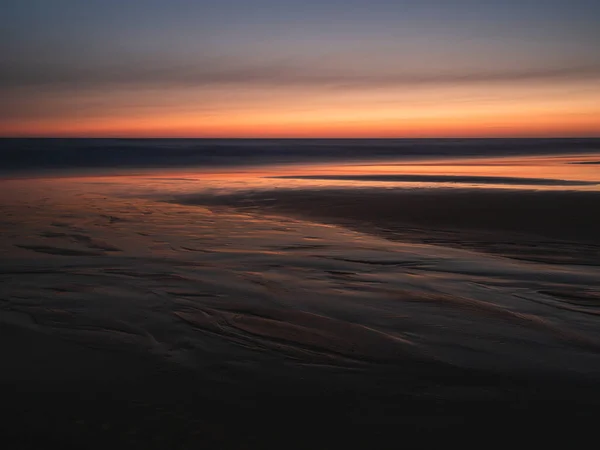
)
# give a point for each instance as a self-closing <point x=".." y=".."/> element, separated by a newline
<point x="231" y="321"/>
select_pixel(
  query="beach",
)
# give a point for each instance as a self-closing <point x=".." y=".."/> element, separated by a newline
<point x="303" y="225"/>
<point x="301" y="306"/>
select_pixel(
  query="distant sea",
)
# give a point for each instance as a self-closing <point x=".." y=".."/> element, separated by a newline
<point x="65" y="155"/>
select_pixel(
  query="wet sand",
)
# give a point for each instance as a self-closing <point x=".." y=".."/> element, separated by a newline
<point x="545" y="226"/>
<point x="295" y="318"/>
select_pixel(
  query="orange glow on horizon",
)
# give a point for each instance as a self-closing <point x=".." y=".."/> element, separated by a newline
<point x="456" y="110"/>
<point x="548" y="125"/>
<point x="525" y="111"/>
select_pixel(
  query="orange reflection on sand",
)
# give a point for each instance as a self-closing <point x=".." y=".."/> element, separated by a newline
<point x="560" y="168"/>
<point x="555" y="169"/>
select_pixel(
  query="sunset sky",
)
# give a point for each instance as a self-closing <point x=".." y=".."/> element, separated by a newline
<point x="283" y="68"/>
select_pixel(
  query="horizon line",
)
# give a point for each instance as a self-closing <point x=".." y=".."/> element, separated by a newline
<point x="301" y="137"/>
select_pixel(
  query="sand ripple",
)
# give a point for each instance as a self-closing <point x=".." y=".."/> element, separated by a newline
<point x="199" y="288"/>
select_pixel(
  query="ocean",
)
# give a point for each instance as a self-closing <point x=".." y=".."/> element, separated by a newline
<point x="22" y="155"/>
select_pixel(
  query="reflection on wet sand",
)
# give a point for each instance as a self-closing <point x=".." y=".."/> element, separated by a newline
<point x="227" y="295"/>
<point x="545" y="226"/>
<point x="204" y="266"/>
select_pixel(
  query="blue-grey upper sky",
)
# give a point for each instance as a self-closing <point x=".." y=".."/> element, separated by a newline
<point x="89" y="48"/>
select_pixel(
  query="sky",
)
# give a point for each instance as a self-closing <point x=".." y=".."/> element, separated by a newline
<point x="283" y="68"/>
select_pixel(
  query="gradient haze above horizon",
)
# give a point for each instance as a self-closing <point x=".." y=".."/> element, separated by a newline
<point x="284" y="68"/>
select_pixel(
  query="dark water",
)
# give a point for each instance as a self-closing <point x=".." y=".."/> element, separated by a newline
<point x="18" y="155"/>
